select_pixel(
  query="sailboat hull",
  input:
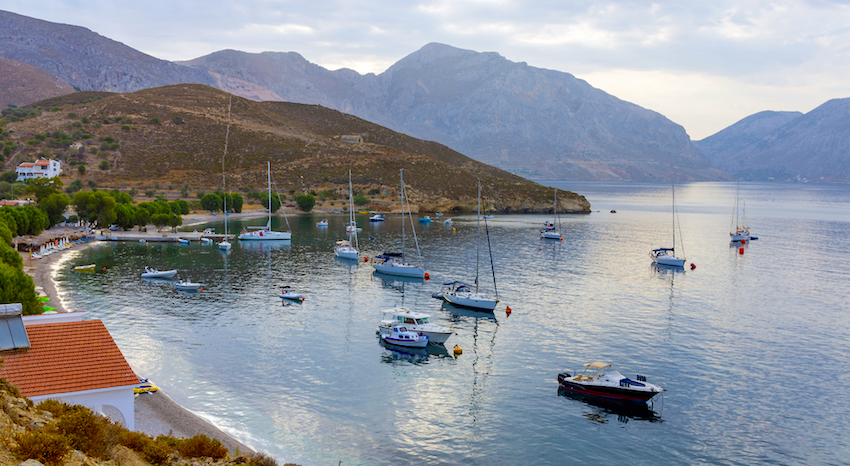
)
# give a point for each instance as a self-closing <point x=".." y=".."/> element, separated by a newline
<point x="671" y="261"/>
<point x="478" y="302"/>
<point x="404" y="270"/>
<point x="265" y="235"/>
<point x="550" y="235"/>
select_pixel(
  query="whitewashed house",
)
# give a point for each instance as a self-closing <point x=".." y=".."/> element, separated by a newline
<point x="41" y="168"/>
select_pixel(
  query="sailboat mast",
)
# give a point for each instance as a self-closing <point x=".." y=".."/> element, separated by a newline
<point x="673" y="188"/>
<point x="351" y="220"/>
<point x="269" y="171"/>
<point x="478" y="238"/>
<point x="401" y="177"/>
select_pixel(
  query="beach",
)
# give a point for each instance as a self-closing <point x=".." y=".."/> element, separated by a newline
<point x="155" y="414"/>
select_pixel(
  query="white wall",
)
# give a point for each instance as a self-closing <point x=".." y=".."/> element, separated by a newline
<point x="119" y="397"/>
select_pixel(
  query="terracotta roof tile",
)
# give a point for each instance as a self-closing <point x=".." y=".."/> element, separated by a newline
<point x="67" y="357"/>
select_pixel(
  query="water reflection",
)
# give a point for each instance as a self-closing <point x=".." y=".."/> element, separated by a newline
<point x="392" y="354"/>
<point x="602" y="410"/>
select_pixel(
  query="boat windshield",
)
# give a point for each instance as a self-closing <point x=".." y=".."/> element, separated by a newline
<point x="423" y="320"/>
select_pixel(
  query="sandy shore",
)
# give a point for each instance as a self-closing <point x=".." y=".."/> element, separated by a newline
<point x="155" y="414"/>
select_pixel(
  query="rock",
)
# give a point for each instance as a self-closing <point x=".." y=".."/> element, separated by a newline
<point x="31" y="462"/>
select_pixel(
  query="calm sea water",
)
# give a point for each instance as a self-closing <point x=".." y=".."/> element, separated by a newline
<point x="753" y="348"/>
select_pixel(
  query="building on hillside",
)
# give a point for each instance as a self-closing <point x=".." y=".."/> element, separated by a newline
<point x="63" y="357"/>
<point x="41" y="168"/>
<point x="351" y="138"/>
<point x="76" y="146"/>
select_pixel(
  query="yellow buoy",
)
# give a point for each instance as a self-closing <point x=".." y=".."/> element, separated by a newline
<point x="458" y="350"/>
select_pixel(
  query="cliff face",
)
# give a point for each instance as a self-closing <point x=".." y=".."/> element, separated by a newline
<point x="85" y="60"/>
<point x="787" y="145"/>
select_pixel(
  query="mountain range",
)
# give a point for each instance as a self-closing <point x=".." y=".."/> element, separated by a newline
<point x="538" y="123"/>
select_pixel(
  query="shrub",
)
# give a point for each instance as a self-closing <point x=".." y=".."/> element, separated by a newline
<point x="202" y="446"/>
<point x="177" y="120"/>
<point x="150" y="193"/>
<point x="85" y="120"/>
<point x="104" y="165"/>
<point x="361" y="199"/>
<point x="45" y="447"/>
<point x="260" y="459"/>
<point x="154" y="121"/>
<point x="125" y="128"/>
<point x="87" y="431"/>
<point x="306" y="202"/>
<point x="81" y="169"/>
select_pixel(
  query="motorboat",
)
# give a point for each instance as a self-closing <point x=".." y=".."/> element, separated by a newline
<point x="465" y="295"/>
<point x="206" y="241"/>
<point x="597" y="380"/>
<point x="425" y="219"/>
<point x="287" y="293"/>
<point x="448" y="221"/>
<point x="344" y="250"/>
<point x="351" y="227"/>
<point x="265" y="233"/>
<point x="667" y="256"/>
<point x="145" y="386"/>
<point x="401" y="336"/>
<point x="390" y="264"/>
<point x="322" y="223"/>
<point x="187" y="285"/>
<point x="415" y="322"/>
<point x="85" y="268"/>
<point x="377" y="218"/>
<point x="488" y="217"/>
<point x="151" y="272"/>
<point x="439" y="214"/>
<point x="183" y="241"/>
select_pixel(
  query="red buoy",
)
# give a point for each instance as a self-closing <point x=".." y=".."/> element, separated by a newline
<point x="508" y="310"/>
<point x="693" y="266"/>
<point x="741" y="250"/>
<point x="365" y="259"/>
<point x="427" y="276"/>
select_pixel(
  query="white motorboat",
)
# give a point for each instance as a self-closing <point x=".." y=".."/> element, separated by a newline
<point x="183" y="241"/>
<point x="84" y="268"/>
<point x="549" y="231"/>
<point x="207" y="241"/>
<point x="448" y="221"/>
<point x="287" y="293"/>
<point x="598" y="381"/>
<point x="187" y="285"/>
<point x="392" y="263"/>
<point x="151" y="272"/>
<point x="488" y="217"/>
<point x="469" y="296"/>
<point x="344" y="250"/>
<point x="401" y="336"/>
<point x="439" y="214"/>
<point x="322" y="223"/>
<point x="415" y="322"/>
<point x="265" y="233"/>
<point x="425" y="219"/>
<point x="667" y="256"/>
<point x="377" y="218"/>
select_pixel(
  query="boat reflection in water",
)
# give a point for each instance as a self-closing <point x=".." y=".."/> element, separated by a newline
<point x="393" y="354"/>
<point x="604" y="408"/>
<point x="263" y="245"/>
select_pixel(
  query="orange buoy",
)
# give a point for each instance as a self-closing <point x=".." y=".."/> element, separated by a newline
<point x="743" y="240"/>
<point x="562" y="238"/>
<point x="508" y="310"/>
<point x="427" y="276"/>
<point x="741" y="250"/>
<point x="365" y="259"/>
<point x="104" y="269"/>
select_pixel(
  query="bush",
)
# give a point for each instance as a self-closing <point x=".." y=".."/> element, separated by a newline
<point x="104" y="165"/>
<point x="154" y="121"/>
<point x="125" y="128"/>
<point x="306" y="202"/>
<point x="45" y="447"/>
<point x="81" y="169"/>
<point x="87" y="431"/>
<point x="260" y="459"/>
<point x="202" y="446"/>
<point x="85" y="120"/>
<point x="150" y="193"/>
<point x="361" y="199"/>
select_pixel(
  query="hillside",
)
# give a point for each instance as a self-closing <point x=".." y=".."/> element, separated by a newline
<point x="22" y="84"/>
<point x="86" y="60"/>
<point x="537" y="122"/>
<point x="814" y="146"/>
<point x="174" y="136"/>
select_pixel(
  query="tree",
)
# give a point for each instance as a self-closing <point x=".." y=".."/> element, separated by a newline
<point x="160" y="220"/>
<point x="211" y="202"/>
<point x="176" y="221"/>
<point x="104" y="165"/>
<point x="306" y="202"/>
<point x="275" y="203"/>
<point x="125" y="216"/>
<point x="17" y="287"/>
<point x="96" y="206"/>
<point x="54" y="206"/>
<point x="81" y="169"/>
<point x="9" y="177"/>
<point x="361" y="199"/>
<point x="43" y="187"/>
<point x="237" y="200"/>
<point x="75" y="186"/>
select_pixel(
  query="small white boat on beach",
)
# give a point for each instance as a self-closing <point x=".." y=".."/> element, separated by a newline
<point x="187" y="285"/>
<point x="400" y="335"/>
<point x="287" y="293"/>
<point x="151" y="272"/>
<point x="415" y="322"/>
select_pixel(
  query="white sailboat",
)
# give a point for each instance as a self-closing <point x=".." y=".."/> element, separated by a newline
<point x="465" y="295"/>
<point x="550" y="232"/>
<point x="225" y="245"/>
<point x="265" y="233"/>
<point x="667" y="256"/>
<point x="739" y="232"/>
<point x="393" y="263"/>
<point x="344" y="249"/>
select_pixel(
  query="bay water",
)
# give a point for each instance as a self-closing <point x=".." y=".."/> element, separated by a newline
<point x="752" y="347"/>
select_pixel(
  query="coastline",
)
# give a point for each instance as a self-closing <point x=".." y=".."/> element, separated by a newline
<point x="155" y="414"/>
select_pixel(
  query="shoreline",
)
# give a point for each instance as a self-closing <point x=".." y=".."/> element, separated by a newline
<point x="155" y="414"/>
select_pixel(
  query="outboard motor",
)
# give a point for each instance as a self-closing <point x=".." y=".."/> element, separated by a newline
<point x="562" y="376"/>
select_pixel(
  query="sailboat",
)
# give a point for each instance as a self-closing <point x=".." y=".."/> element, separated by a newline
<point x="344" y="249"/>
<point x="739" y="232"/>
<point x="465" y="295"/>
<point x="225" y="245"/>
<point x="266" y="233"/>
<point x="392" y="263"/>
<point x="667" y="256"/>
<point x="549" y="231"/>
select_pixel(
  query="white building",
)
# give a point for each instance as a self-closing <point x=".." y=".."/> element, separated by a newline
<point x="41" y="168"/>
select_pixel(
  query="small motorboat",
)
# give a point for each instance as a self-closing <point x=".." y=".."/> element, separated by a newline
<point x="183" y="241"/>
<point x="187" y="286"/>
<point x="597" y="380"/>
<point x="488" y="217"/>
<point x="84" y="268"/>
<point x="401" y="336"/>
<point x="425" y="219"/>
<point x="151" y="272"/>
<point x="206" y="241"/>
<point x="439" y="214"/>
<point x="145" y="386"/>
<point x="287" y="293"/>
<point x="448" y="221"/>
<point x="415" y="322"/>
<point x="323" y="223"/>
<point x="377" y="218"/>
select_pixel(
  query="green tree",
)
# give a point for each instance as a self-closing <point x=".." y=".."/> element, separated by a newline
<point x="211" y="202"/>
<point x="43" y="187"/>
<point x="125" y="216"/>
<point x="98" y="206"/>
<point x="75" y="186"/>
<point x="37" y="220"/>
<point x="235" y="202"/>
<point x="176" y="221"/>
<point x="104" y="165"/>
<point x="17" y="287"/>
<point x="306" y="202"/>
<point x="81" y="169"/>
<point x="6" y="234"/>
<point x="9" y="177"/>
<point x="161" y="220"/>
<point x="141" y="216"/>
<point x="275" y="203"/>
<point x="54" y="206"/>
<point x="361" y="199"/>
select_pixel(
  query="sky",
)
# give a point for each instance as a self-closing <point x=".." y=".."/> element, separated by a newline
<point x="704" y="65"/>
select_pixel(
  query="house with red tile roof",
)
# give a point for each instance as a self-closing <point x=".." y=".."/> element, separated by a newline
<point x="68" y="359"/>
<point x="41" y="168"/>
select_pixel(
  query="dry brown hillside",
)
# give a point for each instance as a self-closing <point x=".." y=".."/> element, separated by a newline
<point x="175" y="135"/>
<point x="22" y="84"/>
